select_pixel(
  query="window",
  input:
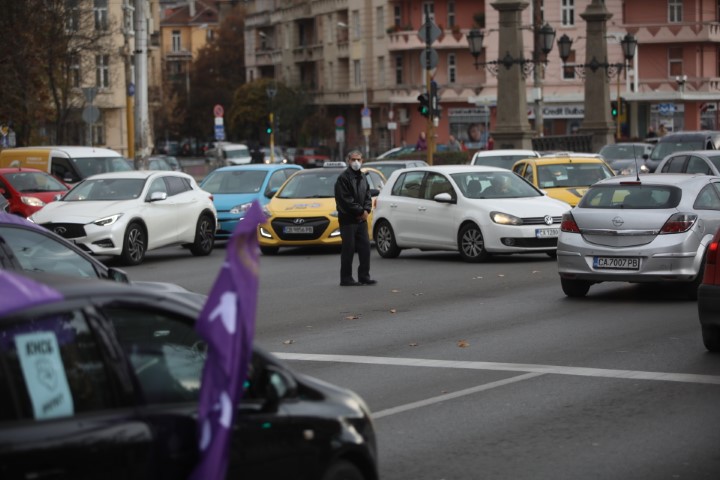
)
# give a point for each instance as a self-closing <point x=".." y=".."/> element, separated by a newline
<point x="166" y="353"/>
<point x="451" y="14"/>
<point x="98" y="133"/>
<point x="675" y="11"/>
<point x="177" y="185"/>
<point x="102" y="71"/>
<point x="675" y="61"/>
<point x="452" y="68"/>
<point x="176" y="41"/>
<point x="380" y="21"/>
<point x="331" y="76"/>
<point x="708" y="198"/>
<point x="357" y="33"/>
<point x="428" y="12"/>
<point x="357" y="72"/>
<point x="51" y="368"/>
<point x="75" y="71"/>
<point x="398" y="70"/>
<point x="567" y="12"/>
<point x="409" y="185"/>
<point x="698" y="165"/>
<point x="436" y="184"/>
<point x="73" y="18"/>
<point x="397" y="17"/>
<point x="210" y="35"/>
<point x="381" y="71"/>
<point x="100" y="10"/>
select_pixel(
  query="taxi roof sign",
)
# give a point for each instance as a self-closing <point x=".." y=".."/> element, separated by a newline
<point x="334" y="164"/>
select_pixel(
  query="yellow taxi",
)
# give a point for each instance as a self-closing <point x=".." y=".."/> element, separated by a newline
<point x="564" y="176"/>
<point x="303" y="211"/>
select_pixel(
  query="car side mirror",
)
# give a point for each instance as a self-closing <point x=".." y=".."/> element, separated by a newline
<point x="444" y="198"/>
<point x="646" y="156"/>
<point x="157" y="196"/>
<point x="280" y="385"/>
<point x="271" y="192"/>
<point x="117" y="275"/>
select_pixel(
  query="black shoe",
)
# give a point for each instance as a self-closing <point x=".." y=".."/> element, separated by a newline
<point x="369" y="281"/>
<point x="350" y="283"/>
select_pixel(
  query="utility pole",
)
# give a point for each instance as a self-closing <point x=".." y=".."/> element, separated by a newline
<point x="129" y="32"/>
<point x="429" y="32"/>
<point x="539" y="68"/>
<point x="142" y="127"/>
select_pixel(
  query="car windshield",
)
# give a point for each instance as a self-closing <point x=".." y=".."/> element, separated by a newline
<point x="313" y="184"/>
<point x="502" y="161"/>
<point x="494" y="185"/>
<point x="34" y="182"/>
<point x="571" y="174"/>
<point x="234" y="181"/>
<point x="106" y="189"/>
<point x="663" y="149"/>
<point x="617" y="152"/>
<point x="632" y="196"/>
<point x="94" y="165"/>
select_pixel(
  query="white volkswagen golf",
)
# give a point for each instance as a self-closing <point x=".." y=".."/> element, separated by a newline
<point x="475" y="210"/>
<point x="125" y="214"/>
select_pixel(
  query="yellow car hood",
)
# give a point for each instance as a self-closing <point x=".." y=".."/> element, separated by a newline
<point x="284" y="207"/>
<point x="571" y="195"/>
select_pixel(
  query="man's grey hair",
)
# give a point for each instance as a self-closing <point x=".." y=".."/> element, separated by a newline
<point x="351" y="153"/>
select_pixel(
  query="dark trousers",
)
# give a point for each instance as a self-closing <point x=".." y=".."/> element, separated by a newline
<point x="354" y="239"/>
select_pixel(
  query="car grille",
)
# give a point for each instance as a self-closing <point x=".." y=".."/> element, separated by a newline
<point x="319" y="225"/>
<point x="539" y="220"/>
<point x="532" y="242"/>
<point x="66" y="230"/>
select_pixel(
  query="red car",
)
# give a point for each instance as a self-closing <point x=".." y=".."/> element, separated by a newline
<point x="27" y="190"/>
<point x="310" y="157"/>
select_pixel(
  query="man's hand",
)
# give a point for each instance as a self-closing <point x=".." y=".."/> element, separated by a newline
<point x="364" y="215"/>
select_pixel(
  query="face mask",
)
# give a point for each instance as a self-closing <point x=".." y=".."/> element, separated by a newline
<point x="355" y="165"/>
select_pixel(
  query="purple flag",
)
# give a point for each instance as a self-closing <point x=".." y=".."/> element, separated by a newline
<point x="17" y="292"/>
<point x="227" y="323"/>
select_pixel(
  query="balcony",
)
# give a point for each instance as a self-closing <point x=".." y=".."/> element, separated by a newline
<point x="675" y="33"/>
<point x="308" y="53"/>
<point x="403" y="40"/>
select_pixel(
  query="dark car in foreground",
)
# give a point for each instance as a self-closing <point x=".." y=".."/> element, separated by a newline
<point x="102" y="380"/>
<point x="709" y="297"/>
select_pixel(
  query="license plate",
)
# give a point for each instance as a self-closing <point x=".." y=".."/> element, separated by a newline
<point x="297" y="229"/>
<point x="547" y="232"/>
<point x="616" y="263"/>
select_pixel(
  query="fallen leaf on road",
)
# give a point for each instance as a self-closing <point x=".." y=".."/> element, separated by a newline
<point x="476" y="278"/>
<point x="352" y="317"/>
<point x="395" y="290"/>
<point x="413" y="344"/>
<point x="501" y="274"/>
<point x="418" y="294"/>
<point x="288" y="342"/>
<point x="463" y="344"/>
<point x="393" y="310"/>
<point x="536" y="271"/>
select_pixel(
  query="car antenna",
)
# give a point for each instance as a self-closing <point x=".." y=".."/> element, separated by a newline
<point x="637" y="167"/>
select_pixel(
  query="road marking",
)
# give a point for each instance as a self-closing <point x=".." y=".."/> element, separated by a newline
<point x="506" y="367"/>
<point x="449" y="396"/>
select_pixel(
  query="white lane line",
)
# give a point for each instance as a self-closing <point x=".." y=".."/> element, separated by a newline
<point x="449" y="396"/>
<point x="507" y="367"/>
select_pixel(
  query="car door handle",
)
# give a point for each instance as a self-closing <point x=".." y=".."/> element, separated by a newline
<point x="421" y="209"/>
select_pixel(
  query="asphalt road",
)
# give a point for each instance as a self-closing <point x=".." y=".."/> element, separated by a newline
<point x="487" y="371"/>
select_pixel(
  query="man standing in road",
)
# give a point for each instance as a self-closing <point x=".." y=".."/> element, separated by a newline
<point x="354" y="203"/>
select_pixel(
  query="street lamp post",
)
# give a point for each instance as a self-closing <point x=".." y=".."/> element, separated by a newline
<point x="512" y="129"/>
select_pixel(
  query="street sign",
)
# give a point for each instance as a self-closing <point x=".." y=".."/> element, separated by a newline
<point x="218" y="110"/>
<point x="366" y="123"/>
<point x="131" y="89"/>
<point x="219" y="132"/>
<point x="433" y="57"/>
<point x="219" y="121"/>
<point x="392" y="126"/>
<point x="89" y="93"/>
<point x="91" y="114"/>
<point x="340" y="135"/>
<point x="339" y="122"/>
<point x="365" y="112"/>
<point x="434" y="30"/>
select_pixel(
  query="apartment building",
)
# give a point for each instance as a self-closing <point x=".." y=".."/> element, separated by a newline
<point x="353" y="54"/>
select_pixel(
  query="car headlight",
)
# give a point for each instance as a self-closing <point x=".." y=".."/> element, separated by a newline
<point x="267" y="211"/>
<point x="505" y="218"/>
<point x="242" y="208"/>
<point x="107" y="221"/>
<point x="644" y="169"/>
<point x="32" y="201"/>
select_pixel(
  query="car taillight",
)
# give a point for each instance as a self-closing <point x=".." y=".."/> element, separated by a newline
<point x="711" y="261"/>
<point x="679" y="223"/>
<point x="568" y="224"/>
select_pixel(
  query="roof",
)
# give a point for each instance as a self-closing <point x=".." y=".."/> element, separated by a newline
<point x="258" y="166"/>
<point x="70" y="150"/>
<point x="509" y="151"/>
<point x="450" y="169"/>
<point x="675" y="179"/>
<point x="141" y="174"/>
<point x="21" y="169"/>
<point x="205" y="12"/>
<point x="555" y="160"/>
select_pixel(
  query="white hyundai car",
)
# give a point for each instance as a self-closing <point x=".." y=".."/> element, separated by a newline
<point x="475" y="210"/>
<point x="126" y="214"/>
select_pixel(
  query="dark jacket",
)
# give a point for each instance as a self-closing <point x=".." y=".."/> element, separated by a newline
<point x="352" y="196"/>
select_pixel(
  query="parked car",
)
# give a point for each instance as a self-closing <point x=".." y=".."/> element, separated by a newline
<point x="566" y="176"/>
<point x="701" y="161"/>
<point x="278" y="156"/>
<point x="235" y="188"/>
<point x="224" y="154"/>
<point x="27" y="190"/>
<point x="474" y="210"/>
<point x="27" y="247"/>
<point x="682" y="141"/>
<point x="501" y="158"/>
<point x="651" y="230"/>
<point x="126" y="214"/>
<point x="112" y="384"/>
<point x="389" y="166"/>
<point x="159" y="163"/>
<point x="626" y="158"/>
<point x="310" y="157"/>
<point x="174" y="162"/>
<point x="303" y="211"/>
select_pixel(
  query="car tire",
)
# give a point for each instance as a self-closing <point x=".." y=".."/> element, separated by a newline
<point x="204" y="236"/>
<point x="711" y="338"/>
<point x="343" y="470"/>
<point x="471" y="244"/>
<point x="134" y="245"/>
<point x="384" y="239"/>
<point x="269" y="250"/>
<point x="575" y="288"/>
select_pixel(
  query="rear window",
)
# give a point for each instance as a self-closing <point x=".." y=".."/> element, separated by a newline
<point x="663" y="149"/>
<point x="631" y="197"/>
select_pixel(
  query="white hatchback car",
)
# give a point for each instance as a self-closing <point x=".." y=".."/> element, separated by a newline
<point x="651" y="228"/>
<point x="477" y="211"/>
<point x="125" y="214"/>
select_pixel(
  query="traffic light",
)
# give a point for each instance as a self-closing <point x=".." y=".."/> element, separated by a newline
<point x="269" y="128"/>
<point x="614" y="109"/>
<point x="424" y="107"/>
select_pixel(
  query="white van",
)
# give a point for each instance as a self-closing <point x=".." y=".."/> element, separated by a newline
<point x="69" y="164"/>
